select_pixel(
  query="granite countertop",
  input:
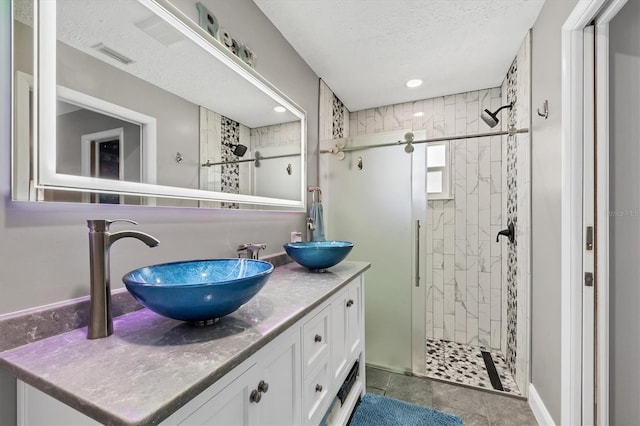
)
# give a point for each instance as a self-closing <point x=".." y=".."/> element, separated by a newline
<point x="152" y="365"/>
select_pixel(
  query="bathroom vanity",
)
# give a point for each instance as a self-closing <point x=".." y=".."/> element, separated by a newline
<point x="280" y="359"/>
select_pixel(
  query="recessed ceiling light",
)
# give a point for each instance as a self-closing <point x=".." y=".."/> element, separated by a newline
<point x="279" y="109"/>
<point x="414" y="82"/>
<point x="418" y="114"/>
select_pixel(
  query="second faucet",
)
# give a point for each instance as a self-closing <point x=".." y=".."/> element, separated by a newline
<point x="252" y="249"/>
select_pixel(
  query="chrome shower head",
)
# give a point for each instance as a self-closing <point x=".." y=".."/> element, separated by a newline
<point x="491" y="118"/>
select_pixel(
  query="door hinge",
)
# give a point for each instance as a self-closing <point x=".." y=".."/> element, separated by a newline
<point x="588" y="279"/>
<point x="589" y="238"/>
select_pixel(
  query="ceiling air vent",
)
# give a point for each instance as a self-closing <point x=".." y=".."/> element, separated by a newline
<point x="105" y="50"/>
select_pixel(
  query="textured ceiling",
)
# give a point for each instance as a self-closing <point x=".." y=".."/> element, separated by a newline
<point x="366" y="50"/>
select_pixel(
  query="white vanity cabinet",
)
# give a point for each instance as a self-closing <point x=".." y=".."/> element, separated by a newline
<point x="267" y="393"/>
<point x="263" y="390"/>
<point x="292" y="380"/>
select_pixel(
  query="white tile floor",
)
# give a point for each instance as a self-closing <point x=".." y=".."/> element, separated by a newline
<point x="458" y="363"/>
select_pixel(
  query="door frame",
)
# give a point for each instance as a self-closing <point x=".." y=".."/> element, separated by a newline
<point x="584" y="13"/>
<point x="86" y="142"/>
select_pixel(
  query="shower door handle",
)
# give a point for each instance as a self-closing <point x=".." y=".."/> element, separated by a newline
<point x="417" y="253"/>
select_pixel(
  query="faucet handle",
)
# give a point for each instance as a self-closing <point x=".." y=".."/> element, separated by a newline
<point x="102" y="225"/>
<point x="252" y="249"/>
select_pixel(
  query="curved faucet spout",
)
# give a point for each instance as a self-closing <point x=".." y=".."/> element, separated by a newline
<point x="100" y="241"/>
<point x="142" y="236"/>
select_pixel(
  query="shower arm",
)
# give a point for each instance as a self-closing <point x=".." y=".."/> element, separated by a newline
<point x="503" y="107"/>
<point x="512" y="131"/>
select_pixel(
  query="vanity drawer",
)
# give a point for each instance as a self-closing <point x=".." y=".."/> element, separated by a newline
<point x="315" y="394"/>
<point x="315" y="340"/>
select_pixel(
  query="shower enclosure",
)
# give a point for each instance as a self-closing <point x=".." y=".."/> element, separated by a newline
<point x="442" y="296"/>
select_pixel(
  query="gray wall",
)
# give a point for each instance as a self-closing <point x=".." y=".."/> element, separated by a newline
<point x="624" y="367"/>
<point x="546" y="181"/>
<point x="43" y="247"/>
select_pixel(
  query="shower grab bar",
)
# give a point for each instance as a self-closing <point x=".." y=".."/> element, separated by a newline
<point x="510" y="132"/>
<point x="417" y="253"/>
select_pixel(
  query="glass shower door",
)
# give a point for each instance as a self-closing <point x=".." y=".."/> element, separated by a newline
<point x="373" y="198"/>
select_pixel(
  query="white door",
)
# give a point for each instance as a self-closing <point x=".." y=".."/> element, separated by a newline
<point x="603" y="163"/>
<point x="618" y="295"/>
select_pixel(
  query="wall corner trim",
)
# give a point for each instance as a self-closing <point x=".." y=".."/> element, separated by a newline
<point x="542" y="415"/>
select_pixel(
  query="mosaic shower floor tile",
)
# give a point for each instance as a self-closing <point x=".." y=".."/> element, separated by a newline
<point x="458" y="363"/>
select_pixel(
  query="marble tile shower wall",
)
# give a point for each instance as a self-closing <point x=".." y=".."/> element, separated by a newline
<point x="517" y="184"/>
<point x="464" y="263"/>
<point x="218" y="137"/>
<point x="277" y="135"/>
<point x="334" y="116"/>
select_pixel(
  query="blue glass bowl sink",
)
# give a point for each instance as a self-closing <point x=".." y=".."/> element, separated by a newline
<point x="198" y="290"/>
<point x="318" y="254"/>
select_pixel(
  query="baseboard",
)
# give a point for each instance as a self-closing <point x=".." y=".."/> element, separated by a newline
<point x="406" y="372"/>
<point x="542" y="415"/>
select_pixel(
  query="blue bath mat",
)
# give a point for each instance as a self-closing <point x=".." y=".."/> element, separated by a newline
<point x="378" y="410"/>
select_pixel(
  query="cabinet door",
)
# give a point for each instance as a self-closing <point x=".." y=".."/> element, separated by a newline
<point x="230" y="406"/>
<point x="316" y="338"/>
<point x="354" y="307"/>
<point x="279" y="370"/>
<point x="339" y="330"/>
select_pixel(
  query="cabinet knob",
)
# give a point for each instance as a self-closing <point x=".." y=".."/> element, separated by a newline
<point x="263" y="386"/>
<point x="318" y="338"/>
<point x="318" y="388"/>
<point x="349" y="303"/>
<point x="255" y="396"/>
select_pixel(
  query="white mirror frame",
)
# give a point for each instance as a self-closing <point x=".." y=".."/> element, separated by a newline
<point x="44" y="123"/>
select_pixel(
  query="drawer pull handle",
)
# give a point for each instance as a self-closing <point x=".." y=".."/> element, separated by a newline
<point x="255" y="396"/>
<point x="349" y="303"/>
<point x="318" y="338"/>
<point x="318" y="388"/>
<point x="263" y="386"/>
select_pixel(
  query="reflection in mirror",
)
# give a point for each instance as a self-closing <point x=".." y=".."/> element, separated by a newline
<point x="240" y="160"/>
<point x="132" y="78"/>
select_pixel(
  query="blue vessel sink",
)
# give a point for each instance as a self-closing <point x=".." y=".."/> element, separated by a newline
<point x="198" y="290"/>
<point x="318" y="255"/>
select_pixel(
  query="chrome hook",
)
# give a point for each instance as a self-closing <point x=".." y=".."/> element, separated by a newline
<point x="545" y="107"/>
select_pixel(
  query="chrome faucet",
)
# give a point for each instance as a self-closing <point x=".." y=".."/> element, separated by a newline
<point x="311" y="226"/>
<point x="252" y="249"/>
<point x="100" y="240"/>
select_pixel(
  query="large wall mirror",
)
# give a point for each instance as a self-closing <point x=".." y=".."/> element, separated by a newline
<point x="130" y="102"/>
